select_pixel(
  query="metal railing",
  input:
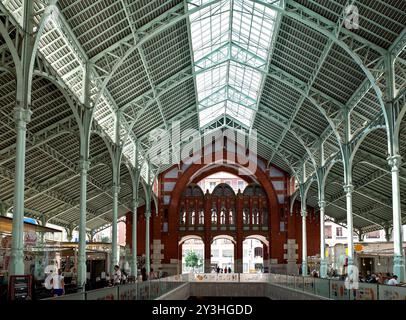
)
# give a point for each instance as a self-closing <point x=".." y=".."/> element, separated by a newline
<point x="327" y="288"/>
<point x="146" y="290"/>
<point x="337" y="290"/>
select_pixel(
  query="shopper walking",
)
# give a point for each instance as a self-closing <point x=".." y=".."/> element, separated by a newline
<point x="58" y="283"/>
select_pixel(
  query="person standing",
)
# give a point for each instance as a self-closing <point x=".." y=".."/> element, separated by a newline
<point x="116" y="276"/>
<point x="393" y="281"/>
<point x="144" y="276"/>
<point x="58" y="284"/>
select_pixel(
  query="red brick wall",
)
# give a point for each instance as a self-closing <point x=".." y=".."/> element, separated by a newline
<point x="171" y="238"/>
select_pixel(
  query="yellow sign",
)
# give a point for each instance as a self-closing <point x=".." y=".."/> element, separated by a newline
<point x="358" y="247"/>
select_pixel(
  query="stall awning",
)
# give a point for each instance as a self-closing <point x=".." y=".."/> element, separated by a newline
<point x="6" y="226"/>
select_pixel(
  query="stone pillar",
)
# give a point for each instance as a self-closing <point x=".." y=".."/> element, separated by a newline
<point x="323" y="261"/>
<point x="21" y="116"/>
<point x="291" y="256"/>
<point x="398" y="258"/>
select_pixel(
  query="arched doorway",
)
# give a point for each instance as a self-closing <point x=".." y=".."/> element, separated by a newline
<point x="222" y="253"/>
<point x="192" y="246"/>
<point x="255" y="254"/>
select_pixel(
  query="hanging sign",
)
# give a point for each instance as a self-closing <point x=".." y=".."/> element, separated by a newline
<point x="30" y="239"/>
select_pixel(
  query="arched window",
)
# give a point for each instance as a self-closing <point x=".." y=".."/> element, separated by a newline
<point x="255" y="216"/>
<point x="201" y="217"/>
<point x="258" y="252"/>
<point x="265" y="217"/>
<point x="213" y="216"/>
<point x="183" y="217"/>
<point x="245" y="217"/>
<point x="231" y="217"/>
<point x="223" y="216"/>
<point x="192" y="218"/>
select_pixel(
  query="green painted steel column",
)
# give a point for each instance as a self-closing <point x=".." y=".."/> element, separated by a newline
<point x="114" y="243"/>
<point x="147" y="233"/>
<point x="323" y="261"/>
<point x="84" y="168"/>
<point x="348" y="189"/>
<point x="134" y="266"/>
<point x="304" y="243"/>
<point x="22" y="117"/>
<point x="398" y="258"/>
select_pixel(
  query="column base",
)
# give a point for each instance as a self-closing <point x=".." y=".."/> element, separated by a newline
<point x="304" y="269"/>
<point x="291" y="268"/>
<point x="82" y="274"/>
<point x="267" y="263"/>
<point x="399" y="267"/>
<point x="323" y="268"/>
<point x="237" y="266"/>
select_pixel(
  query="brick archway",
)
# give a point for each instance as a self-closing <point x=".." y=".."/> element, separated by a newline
<point x="194" y="171"/>
<point x="200" y="171"/>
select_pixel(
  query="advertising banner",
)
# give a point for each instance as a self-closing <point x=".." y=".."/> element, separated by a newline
<point x="392" y="293"/>
<point x="110" y="293"/>
<point x="338" y="290"/>
<point x="322" y="287"/>
<point x="254" y="277"/>
<point x="365" y="291"/>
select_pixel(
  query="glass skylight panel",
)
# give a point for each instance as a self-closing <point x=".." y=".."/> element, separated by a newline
<point x="210" y="114"/>
<point x="210" y="81"/>
<point x="233" y="47"/>
<point x="239" y="112"/>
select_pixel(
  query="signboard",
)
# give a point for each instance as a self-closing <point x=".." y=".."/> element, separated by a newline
<point x="216" y="277"/>
<point x="30" y="239"/>
<point x="20" y="287"/>
<point x="254" y="277"/>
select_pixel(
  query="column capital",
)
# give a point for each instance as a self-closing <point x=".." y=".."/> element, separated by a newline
<point x="135" y="204"/>
<point x="84" y="165"/>
<point x="303" y="213"/>
<point x="22" y="114"/>
<point x="115" y="189"/>
<point x="349" y="188"/>
<point x="147" y="215"/>
<point x="395" y="162"/>
<point x="322" y="204"/>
